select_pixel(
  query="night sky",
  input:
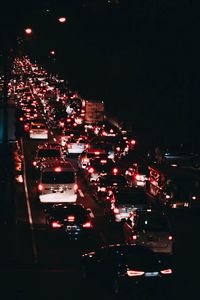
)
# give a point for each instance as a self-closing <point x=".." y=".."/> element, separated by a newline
<point x="140" y="57"/>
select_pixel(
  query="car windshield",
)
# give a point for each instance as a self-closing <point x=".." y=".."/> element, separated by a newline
<point x="143" y="170"/>
<point x="62" y="213"/>
<point x="132" y="198"/>
<point x="114" y="180"/>
<point x="49" y="153"/>
<point x="58" y="177"/>
<point x="131" y="256"/>
<point x="153" y="223"/>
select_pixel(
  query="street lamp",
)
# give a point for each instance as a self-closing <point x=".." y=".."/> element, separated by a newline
<point x="62" y="19"/>
<point x="28" y="31"/>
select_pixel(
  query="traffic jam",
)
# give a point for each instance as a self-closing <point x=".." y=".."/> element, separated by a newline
<point x="90" y="183"/>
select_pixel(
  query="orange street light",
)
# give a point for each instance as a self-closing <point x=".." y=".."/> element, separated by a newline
<point x="28" y="31"/>
<point x="52" y="52"/>
<point x="62" y="19"/>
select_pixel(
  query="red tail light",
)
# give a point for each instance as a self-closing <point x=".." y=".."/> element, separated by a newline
<point x="21" y="119"/>
<point x="116" y="210"/>
<point x="56" y="225"/>
<point x="75" y="187"/>
<point x="170" y="237"/>
<point x="34" y="163"/>
<point x="30" y="131"/>
<point x="133" y="142"/>
<point x="135" y="273"/>
<point x="91" y="170"/>
<point x="134" y="237"/>
<point x="115" y="171"/>
<point x="87" y="225"/>
<point x="140" y="177"/>
<point x="167" y="271"/>
<point x="40" y="187"/>
<point x="46" y="131"/>
<point x="57" y="169"/>
<point x="118" y="149"/>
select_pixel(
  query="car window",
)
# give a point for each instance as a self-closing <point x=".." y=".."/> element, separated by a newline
<point x="131" y="198"/>
<point x="79" y="213"/>
<point x="49" y="153"/>
<point x="58" y="177"/>
<point x="152" y="223"/>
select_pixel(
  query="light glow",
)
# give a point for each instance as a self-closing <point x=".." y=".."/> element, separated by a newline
<point x="56" y="225"/>
<point x="57" y="169"/>
<point x="40" y="187"/>
<point x="87" y="225"/>
<point x="62" y="19"/>
<point x="116" y="210"/>
<point x="134" y="273"/>
<point x="70" y="218"/>
<point x="167" y="271"/>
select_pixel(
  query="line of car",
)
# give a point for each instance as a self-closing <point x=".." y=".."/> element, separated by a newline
<point x="118" y="184"/>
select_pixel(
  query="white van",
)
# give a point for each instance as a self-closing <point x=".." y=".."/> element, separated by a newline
<point x="58" y="184"/>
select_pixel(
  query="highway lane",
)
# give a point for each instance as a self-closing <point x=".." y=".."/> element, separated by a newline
<point x="36" y="248"/>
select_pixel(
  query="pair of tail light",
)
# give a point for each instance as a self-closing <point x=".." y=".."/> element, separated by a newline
<point x="134" y="237"/>
<point x="56" y="224"/>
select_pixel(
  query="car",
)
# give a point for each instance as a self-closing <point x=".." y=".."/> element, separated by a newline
<point x="76" y="145"/>
<point x="121" y="203"/>
<point x="38" y="131"/>
<point x="86" y="155"/>
<point x="138" y="175"/>
<point x="98" y="166"/>
<point x="114" y="146"/>
<point x="69" y="133"/>
<point x="105" y="184"/>
<point x="123" y="268"/>
<point x="46" y="153"/>
<point x="57" y="178"/>
<point x="71" y="220"/>
<point x="151" y="229"/>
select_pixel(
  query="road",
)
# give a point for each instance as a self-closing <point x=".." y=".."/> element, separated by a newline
<point x="46" y="266"/>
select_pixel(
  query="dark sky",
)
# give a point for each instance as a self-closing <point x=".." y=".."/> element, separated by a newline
<point x="140" y="57"/>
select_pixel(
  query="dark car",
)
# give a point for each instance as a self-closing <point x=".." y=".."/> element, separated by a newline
<point x="73" y="220"/>
<point x="105" y="184"/>
<point x="123" y="202"/>
<point x="99" y="166"/>
<point x="127" y="266"/>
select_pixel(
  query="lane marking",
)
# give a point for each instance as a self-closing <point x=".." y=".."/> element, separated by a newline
<point x="81" y="193"/>
<point x="34" y="248"/>
<point x="54" y="139"/>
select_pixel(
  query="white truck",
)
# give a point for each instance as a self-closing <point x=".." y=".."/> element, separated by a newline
<point x="94" y="112"/>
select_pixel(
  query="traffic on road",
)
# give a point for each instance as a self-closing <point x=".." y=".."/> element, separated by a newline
<point x="114" y="218"/>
